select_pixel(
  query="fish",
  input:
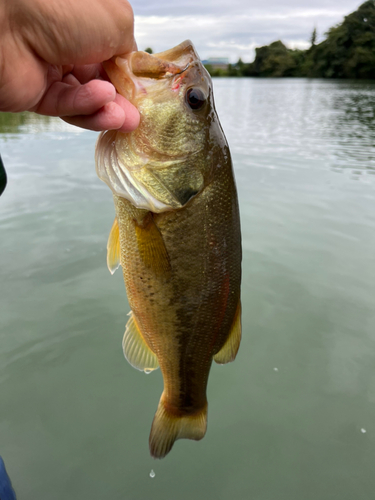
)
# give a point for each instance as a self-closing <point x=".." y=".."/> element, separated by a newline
<point x="176" y="233"/>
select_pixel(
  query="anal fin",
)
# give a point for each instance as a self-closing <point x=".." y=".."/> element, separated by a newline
<point x="229" y="350"/>
<point x="113" y="248"/>
<point x="135" y="348"/>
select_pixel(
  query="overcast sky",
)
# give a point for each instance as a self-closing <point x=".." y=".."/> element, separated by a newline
<point x="233" y="28"/>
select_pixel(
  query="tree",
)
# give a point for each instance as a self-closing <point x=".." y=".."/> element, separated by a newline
<point x="349" y="49"/>
<point x="274" y="60"/>
<point x="149" y="50"/>
<point x="313" y="37"/>
<point x="347" y="52"/>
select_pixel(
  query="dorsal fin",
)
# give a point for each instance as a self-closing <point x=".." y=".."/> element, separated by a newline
<point x="113" y="248"/>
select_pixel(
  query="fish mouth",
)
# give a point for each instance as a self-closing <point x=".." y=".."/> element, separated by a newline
<point x="181" y="54"/>
<point x="163" y="64"/>
<point x="144" y="65"/>
<point x="185" y="69"/>
<point x="129" y="73"/>
<point x="172" y="62"/>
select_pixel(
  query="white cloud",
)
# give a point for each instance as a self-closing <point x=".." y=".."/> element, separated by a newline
<point x="234" y="29"/>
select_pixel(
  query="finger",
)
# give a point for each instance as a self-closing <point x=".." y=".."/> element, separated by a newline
<point x="113" y="116"/>
<point x="109" y="117"/>
<point x="67" y="68"/>
<point x="132" y="116"/>
<point x="64" y="99"/>
<point x="88" y="72"/>
<point x="71" y="80"/>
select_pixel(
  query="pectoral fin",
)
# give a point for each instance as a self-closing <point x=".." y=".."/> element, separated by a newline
<point x="135" y="348"/>
<point x="229" y="350"/>
<point x="151" y="246"/>
<point x="113" y="248"/>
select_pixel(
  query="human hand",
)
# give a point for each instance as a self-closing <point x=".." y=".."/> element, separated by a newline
<point x="50" y="60"/>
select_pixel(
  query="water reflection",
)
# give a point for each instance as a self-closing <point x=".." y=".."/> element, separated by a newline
<point x="293" y="417"/>
<point x="353" y="126"/>
<point x="15" y="123"/>
<point x="356" y="104"/>
<point x="18" y="123"/>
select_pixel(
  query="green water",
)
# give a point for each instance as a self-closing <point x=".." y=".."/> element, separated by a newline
<point x="294" y="417"/>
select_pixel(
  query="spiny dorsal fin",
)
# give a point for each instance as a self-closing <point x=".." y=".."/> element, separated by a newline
<point x="229" y="350"/>
<point x="151" y="246"/>
<point x="113" y="248"/>
<point x="136" y="351"/>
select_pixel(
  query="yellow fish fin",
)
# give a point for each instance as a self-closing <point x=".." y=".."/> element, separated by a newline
<point x="167" y="427"/>
<point x="113" y="248"/>
<point x="151" y="246"/>
<point x="229" y="350"/>
<point x="135" y="348"/>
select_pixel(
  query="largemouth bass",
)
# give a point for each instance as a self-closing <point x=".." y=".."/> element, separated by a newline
<point x="176" y="233"/>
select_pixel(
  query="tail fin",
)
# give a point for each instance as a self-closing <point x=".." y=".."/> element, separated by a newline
<point x="167" y="428"/>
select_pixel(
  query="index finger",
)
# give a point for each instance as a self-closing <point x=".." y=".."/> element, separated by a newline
<point x="86" y="73"/>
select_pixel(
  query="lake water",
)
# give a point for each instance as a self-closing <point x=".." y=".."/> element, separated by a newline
<point x="293" y="418"/>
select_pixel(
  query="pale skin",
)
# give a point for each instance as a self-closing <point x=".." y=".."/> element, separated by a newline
<point x="50" y="60"/>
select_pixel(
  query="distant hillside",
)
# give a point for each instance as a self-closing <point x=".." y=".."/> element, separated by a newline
<point x="347" y="52"/>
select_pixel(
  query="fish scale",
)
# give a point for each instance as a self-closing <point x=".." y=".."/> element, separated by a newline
<point x="176" y="234"/>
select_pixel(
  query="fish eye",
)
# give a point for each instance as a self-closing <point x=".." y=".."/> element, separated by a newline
<point x="195" y="98"/>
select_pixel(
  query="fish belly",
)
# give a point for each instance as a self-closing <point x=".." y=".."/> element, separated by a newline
<point x="186" y="301"/>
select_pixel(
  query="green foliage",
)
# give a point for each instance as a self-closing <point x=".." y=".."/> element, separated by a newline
<point x="216" y="71"/>
<point x="349" y="49"/>
<point x="275" y="60"/>
<point x="347" y="52"/>
<point x="313" y="37"/>
<point x="149" y="50"/>
<point x="14" y="123"/>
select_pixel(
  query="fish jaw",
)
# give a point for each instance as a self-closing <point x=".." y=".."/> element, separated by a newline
<point x="129" y="72"/>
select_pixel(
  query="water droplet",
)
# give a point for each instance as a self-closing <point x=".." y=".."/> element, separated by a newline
<point x="363" y="431"/>
<point x="147" y="370"/>
<point x="275" y="369"/>
<point x="152" y="473"/>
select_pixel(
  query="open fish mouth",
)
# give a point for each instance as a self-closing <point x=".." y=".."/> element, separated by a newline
<point x="124" y="71"/>
<point x="144" y="65"/>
